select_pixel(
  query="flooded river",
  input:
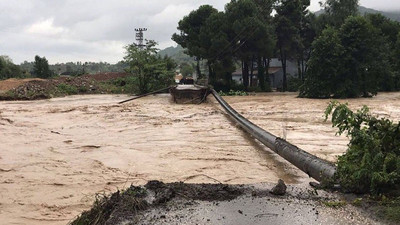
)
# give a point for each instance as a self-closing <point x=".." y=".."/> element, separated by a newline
<point x="55" y="155"/>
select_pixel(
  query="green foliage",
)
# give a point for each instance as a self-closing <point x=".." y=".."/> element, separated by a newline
<point x="339" y="10"/>
<point x="233" y="93"/>
<point x="294" y="84"/>
<point x="8" y="69"/>
<point x="290" y="23"/>
<point x="186" y="69"/>
<point x="150" y="71"/>
<point x="244" y="31"/>
<point x="67" y="89"/>
<point x="348" y="62"/>
<point x="41" y="68"/>
<point x="125" y="85"/>
<point x="325" y="66"/>
<point x="372" y="161"/>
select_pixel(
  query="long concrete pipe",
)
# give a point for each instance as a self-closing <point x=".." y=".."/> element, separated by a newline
<point x="315" y="167"/>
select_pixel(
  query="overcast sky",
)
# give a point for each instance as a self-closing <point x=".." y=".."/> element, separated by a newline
<point x="97" y="30"/>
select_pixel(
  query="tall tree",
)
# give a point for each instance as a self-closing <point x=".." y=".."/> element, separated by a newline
<point x="397" y="64"/>
<point x="253" y="35"/>
<point x="288" y="22"/>
<point x="308" y="34"/>
<point x="8" y="69"/>
<point x="362" y="65"/>
<point x="190" y="30"/>
<point x="216" y="33"/>
<point x="265" y="42"/>
<point x="149" y="70"/>
<point x="387" y="36"/>
<point x="325" y="66"/>
<point x="339" y="10"/>
<point x="347" y="62"/>
<point x="41" y="67"/>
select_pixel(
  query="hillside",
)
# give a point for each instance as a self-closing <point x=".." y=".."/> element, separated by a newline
<point x="177" y="53"/>
<point x="363" y="10"/>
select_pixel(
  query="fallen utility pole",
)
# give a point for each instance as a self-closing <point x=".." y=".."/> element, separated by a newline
<point x="315" y="167"/>
<point x="147" y="94"/>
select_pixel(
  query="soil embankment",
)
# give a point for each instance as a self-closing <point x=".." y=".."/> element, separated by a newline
<point x="57" y="154"/>
<point x="35" y="88"/>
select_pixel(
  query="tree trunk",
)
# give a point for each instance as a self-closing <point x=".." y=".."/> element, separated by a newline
<point x="245" y="74"/>
<point x="252" y="71"/>
<point x="284" y="78"/>
<point x="261" y="73"/>
<point x="211" y="75"/>
<point x="198" y="68"/>
<point x="299" y="69"/>
<point x="267" y="80"/>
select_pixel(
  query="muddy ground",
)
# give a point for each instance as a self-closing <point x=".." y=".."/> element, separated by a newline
<point x="179" y="203"/>
<point x="56" y="154"/>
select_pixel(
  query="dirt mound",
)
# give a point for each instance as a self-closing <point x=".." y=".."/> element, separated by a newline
<point x="6" y="85"/>
<point x="125" y="206"/>
<point x="31" y="89"/>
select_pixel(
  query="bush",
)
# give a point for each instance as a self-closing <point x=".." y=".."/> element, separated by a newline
<point x="67" y="89"/>
<point x="372" y="161"/>
<point x="233" y="93"/>
<point x="294" y="84"/>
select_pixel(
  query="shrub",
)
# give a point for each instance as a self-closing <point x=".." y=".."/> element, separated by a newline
<point x="67" y="89"/>
<point x="233" y="93"/>
<point x="372" y="161"/>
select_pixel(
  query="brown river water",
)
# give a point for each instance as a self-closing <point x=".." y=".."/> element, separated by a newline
<point x="55" y="155"/>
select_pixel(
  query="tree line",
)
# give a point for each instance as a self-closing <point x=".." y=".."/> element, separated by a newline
<point x="338" y="54"/>
<point x="41" y="68"/>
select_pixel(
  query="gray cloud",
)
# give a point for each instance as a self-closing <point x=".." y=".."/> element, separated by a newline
<point x="93" y="30"/>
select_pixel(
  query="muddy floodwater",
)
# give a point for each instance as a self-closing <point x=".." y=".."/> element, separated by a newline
<point x="55" y="155"/>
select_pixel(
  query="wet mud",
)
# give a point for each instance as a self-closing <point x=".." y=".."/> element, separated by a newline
<point x="56" y="154"/>
<point x="179" y="203"/>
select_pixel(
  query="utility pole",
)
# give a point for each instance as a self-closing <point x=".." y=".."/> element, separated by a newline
<point x="139" y="37"/>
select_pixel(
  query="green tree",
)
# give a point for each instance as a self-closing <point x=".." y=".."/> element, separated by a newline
<point x="387" y="31"/>
<point x="8" y="69"/>
<point x="338" y="10"/>
<point x="325" y="66"/>
<point x="216" y="34"/>
<point x="361" y="59"/>
<point x="288" y="23"/>
<point x="253" y="36"/>
<point x="41" y="68"/>
<point x="190" y="31"/>
<point x="308" y="33"/>
<point x="186" y="69"/>
<point x="396" y="64"/>
<point x="150" y="71"/>
<point x="348" y="62"/>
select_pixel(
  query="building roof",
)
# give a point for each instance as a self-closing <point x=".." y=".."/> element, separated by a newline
<point x="273" y="70"/>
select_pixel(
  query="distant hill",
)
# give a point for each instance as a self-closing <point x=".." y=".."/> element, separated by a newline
<point x="177" y="53"/>
<point x="363" y="10"/>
